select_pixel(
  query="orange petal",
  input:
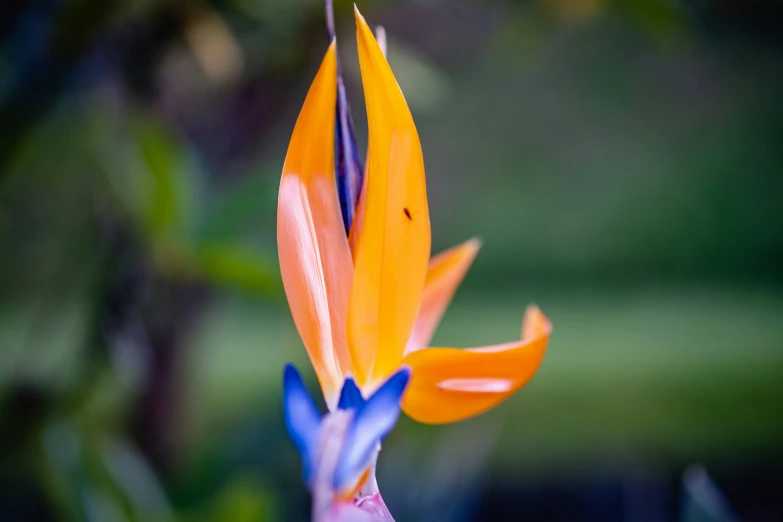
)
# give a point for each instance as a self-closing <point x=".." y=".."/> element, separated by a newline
<point x="394" y="246"/>
<point x="444" y="275"/>
<point x="315" y="260"/>
<point x="450" y="384"/>
<point x="358" y="220"/>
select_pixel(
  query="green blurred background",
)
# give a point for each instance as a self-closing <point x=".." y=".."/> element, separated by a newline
<point x="621" y="161"/>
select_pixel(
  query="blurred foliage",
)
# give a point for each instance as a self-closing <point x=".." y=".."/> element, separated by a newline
<point x="159" y="186"/>
<point x="620" y="159"/>
<point x="702" y="500"/>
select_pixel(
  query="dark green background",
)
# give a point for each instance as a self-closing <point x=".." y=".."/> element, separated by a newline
<point x="621" y="161"/>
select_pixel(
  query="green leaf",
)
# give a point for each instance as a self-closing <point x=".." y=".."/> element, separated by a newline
<point x="61" y="470"/>
<point x="152" y="175"/>
<point x="172" y="179"/>
<point x="248" y="201"/>
<point x="244" y="500"/>
<point x="96" y="477"/>
<point x="240" y="267"/>
<point x="134" y="478"/>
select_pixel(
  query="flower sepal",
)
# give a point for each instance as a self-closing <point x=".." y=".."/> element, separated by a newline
<point x="340" y="450"/>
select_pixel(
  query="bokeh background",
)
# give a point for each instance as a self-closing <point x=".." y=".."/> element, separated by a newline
<point x="621" y="160"/>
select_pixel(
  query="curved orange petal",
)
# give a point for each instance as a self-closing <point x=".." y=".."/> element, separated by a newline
<point x="444" y="275"/>
<point x="394" y="246"/>
<point x="358" y="220"/>
<point x="315" y="260"/>
<point x="450" y="384"/>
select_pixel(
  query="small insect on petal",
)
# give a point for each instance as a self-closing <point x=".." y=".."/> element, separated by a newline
<point x="393" y="247"/>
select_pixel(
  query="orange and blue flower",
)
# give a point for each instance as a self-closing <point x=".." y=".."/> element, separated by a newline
<point x="366" y="297"/>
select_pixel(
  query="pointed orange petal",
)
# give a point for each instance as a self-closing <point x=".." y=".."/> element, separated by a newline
<point x="315" y="260"/>
<point x="394" y="246"/>
<point x="450" y="384"/>
<point x="444" y="275"/>
<point x="358" y="220"/>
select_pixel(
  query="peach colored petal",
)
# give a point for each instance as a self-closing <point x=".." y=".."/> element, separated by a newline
<point x="444" y="275"/>
<point x="315" y="260"/>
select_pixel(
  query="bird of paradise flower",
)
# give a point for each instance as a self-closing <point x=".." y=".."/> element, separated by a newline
<point x="365" y="296"/>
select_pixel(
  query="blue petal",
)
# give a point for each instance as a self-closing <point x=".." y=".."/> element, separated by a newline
<point x="350" y="396"/>
<point x="348" y="163"/>
<point x="371" y="423"/>
<point x="329" y="4"/>
<point x="302" y="418"/>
